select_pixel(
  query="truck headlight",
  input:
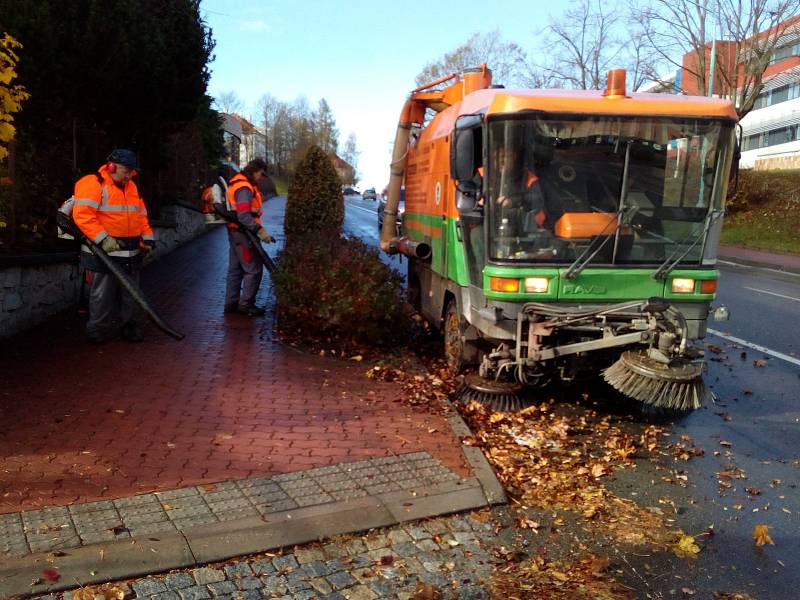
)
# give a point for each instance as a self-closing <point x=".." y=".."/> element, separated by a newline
<point x="682" y="285"/>
<point x="537" y="285"/>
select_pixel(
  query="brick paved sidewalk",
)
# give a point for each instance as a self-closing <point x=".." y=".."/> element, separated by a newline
<point x="85" y="423"/>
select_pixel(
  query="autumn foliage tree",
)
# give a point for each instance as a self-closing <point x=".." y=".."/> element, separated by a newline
<point x="11" y="96"/>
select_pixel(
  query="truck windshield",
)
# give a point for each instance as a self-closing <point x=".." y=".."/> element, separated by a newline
<point x="561" y="185"/>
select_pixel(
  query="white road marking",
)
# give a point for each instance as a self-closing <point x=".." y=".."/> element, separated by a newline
<point x="740" y="341"/>
<point x="772" y="293"/>
<point x="366" y="210"/>
<point x="744" y="266"/>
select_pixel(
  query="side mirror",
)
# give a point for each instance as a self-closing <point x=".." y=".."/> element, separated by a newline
<point x="737" y="155"/>
<point x="462" y="153"/>
<point x="466" y="139"/>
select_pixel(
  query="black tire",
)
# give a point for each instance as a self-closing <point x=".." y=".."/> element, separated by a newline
<point x="458" y="352"/>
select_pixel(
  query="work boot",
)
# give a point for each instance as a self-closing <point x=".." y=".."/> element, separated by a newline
<point x="95" y="337"/>
<point x="230" y="308"/>
<point x="132" y="333"/>
<point x="253" y="311"/>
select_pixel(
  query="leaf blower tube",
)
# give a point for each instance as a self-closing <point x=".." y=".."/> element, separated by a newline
<point x="126" y="282"/>
<point x="230" y="217"/>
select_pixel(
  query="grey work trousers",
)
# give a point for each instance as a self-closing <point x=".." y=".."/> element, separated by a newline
<point x="244" y="272"/>
<point x="105" y="297"/>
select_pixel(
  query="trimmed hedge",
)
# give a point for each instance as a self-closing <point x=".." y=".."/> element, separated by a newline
<point x="334" y="288"/>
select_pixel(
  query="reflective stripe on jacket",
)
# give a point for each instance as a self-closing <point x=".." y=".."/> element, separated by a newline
<point x="238" y="182"/>
<point x="103" y="209"/>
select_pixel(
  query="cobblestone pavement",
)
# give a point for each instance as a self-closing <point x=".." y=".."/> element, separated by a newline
<point x="229" y="402"/>
<point x="64" y="527"/>
<point x="445" y="553"/>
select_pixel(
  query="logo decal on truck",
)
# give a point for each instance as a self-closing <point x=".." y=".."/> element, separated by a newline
<point x="576" y="288"/>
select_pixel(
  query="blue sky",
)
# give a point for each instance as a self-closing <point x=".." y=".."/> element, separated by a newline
<point x="361" y="56"/>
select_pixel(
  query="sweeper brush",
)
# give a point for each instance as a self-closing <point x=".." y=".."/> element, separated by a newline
<point x="675" y="386"/>
<point x="497" y="395"/>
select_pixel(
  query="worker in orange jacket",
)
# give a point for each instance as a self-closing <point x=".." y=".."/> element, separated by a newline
<point x="109" y="211"/>
<point x="244" y="265"/>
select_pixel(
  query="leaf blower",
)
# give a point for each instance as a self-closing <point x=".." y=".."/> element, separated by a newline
<point x="66" y="224"/>
<point x="255" y="243"/>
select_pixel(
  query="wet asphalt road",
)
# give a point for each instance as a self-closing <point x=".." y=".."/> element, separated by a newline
<point x="753" y="427"/>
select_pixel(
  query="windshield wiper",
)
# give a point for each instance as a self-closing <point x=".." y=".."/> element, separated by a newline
<point x="624" y="217"/>
<point x="665" y="267"/>
<point x="624" y="214"/>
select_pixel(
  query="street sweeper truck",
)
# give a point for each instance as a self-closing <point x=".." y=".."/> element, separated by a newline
<point x="563" y="234"/>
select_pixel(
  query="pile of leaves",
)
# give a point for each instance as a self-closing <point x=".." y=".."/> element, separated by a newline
<point x="427" y="390"/>
<point x="540" y="578"/>
<point x="557" y="461"/>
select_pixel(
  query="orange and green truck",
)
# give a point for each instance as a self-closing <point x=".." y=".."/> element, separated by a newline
<point x="561" y="234"/>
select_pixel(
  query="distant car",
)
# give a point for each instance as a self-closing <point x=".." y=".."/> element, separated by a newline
<point x="348" y="191"/>
<point x="400" y="210"/>
<point x="369" y="194"/>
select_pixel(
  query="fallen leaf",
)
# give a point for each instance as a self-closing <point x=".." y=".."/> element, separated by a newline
<point x="118" y="530"/>
<point x="425" y="591"/>
<point x="761" y="535"/>
<point x="760" y="362"/>
<point x="53" y="576"/>
<point x="357" y="358"/>
<point x="387" y="560"/>
<point x="686" y="547"/>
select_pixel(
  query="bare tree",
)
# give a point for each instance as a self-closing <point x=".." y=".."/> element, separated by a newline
<point x="748" y="33"/>
<point x="583" y="44"/>
<point x="229" y="102"/>
<point x="350" y="155"/>
<point x="505" y="59"/>
<point x="268" y="106"/>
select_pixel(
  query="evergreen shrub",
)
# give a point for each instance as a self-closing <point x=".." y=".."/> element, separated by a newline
<point x="315" y="202"/>
<point x="331" y="288"/>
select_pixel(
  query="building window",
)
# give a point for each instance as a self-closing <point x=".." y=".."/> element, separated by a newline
<point x="785" y="52"/>
<point x="781" y="135"/>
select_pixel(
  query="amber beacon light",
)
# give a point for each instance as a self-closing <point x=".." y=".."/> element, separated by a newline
<point x="615" y="84"/>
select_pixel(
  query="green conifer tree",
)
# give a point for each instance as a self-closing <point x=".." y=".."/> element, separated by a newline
<point x="314" y="203"/>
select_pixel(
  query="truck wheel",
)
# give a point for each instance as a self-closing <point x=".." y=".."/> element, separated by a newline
<point x="458" y="352"/>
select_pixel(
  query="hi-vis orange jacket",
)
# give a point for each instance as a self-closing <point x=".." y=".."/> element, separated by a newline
<point x="103" y="209"/>
<point x="237" y="182"/>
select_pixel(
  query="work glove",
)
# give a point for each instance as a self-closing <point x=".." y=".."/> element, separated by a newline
<point x="110" y="244"/>
<point x="148" y="246"/>
<point x="264" y="235"/>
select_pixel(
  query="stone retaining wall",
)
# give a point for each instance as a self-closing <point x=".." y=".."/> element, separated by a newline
<point x="30" y="294"/>
<point x="775" y="163"/>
